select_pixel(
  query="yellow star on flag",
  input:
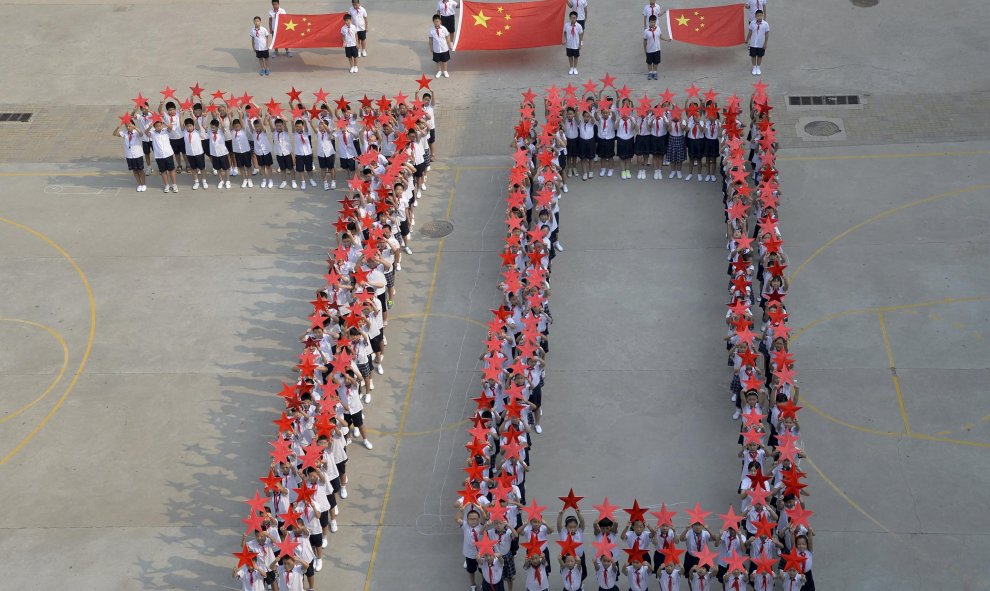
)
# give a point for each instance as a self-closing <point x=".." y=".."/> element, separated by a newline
<point x="683" y="20"/>
<point x="507" y="27"/>
<point x="501" y="10"/>
<point x="481" y="19"/>
<point x="290" y="26"/>
<point x="498" y="33"/>
<point x="508" y="17"/>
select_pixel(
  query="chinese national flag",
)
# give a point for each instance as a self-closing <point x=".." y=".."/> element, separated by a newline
<point x="308" y="30"/>
<point x="714" y="26"/>
<point x="510" y="25"/>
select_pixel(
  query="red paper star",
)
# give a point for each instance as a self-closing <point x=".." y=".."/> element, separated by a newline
<point x="760" y="89"/>
<point x="624" y="92"/>
<point x="257" y="503"/>
<point x="606" y="510"/>
<point x="710" y="95"/>
<point x="663" y="515"/>
<point x="764" y="564"/>
<point x="342" y="103"/>
<point x="788" y="409"/>
<point x="424" y="82"/>
<point x="752" y="436"/>
<point x="529" y="96"/>
<point x="533" y="510"/>
<point x="125" y="119"/>
<point x="168" y="93"/>
<point x="290" y="517"/>
<point x="139" y="101"/>
<point x="534" y="547"/>
<point x="764" y="527"/>
<point x="196" y="90"/>
<point x="671" y="554"/>
<point x="697" y="515"/>
<point x="568" y="546"/>
<point x="736" y="561"/>
<point x="271" y="482"/>
<point x="245" y="557"/>
<point x="590" y="86"/>
<point x="486" y="545"/>
<point x="636" y="513"/>
<point x="321" y="96"/>
<point x="469" y="494"/>
<point x="497" y="512"/>
<point x="608" y="80"/>
<point x="282" y="451"/>
<point x="603" y="547"/>
<point x="571" y="500"/>
<point x="758" y="496"/>
<point x="245" y="99"/>
<point x="304" y="493"/>
<point x="294" y="95"/>
<point x="287" y="547"/>
<point x="692" y="91"/>
<point x="185" y="105"/>
<point x="635" y="553"/>
<point x="667" y="96"/>
<point x="218" y="95"/>
<point x="730" y="519"/>
<point x="792" y="559"/>
<point x="253" y="522"/>
<point x="706" y="556"/>
<point x="799" y="515"/>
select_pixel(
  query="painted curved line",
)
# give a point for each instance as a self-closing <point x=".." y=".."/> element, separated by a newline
<point x="61" y="372"/>
<point x="89" y="340"/>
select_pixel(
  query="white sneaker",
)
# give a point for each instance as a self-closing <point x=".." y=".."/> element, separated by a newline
<point x="565" y="187"/>
<point x="759" y="70"/>
<point x="713" y="179"/>
<point x="539" y="429"/>
<point x="294" y="185"/>
<point x="439" y="73"/>
<point x="326" y="186"/>
<point x="408" y="250"/>
<point x="367" y="399"/>
<point x="343" y="492"/>
<point x="736" y="415"/>
<point x="165" y="189"/>
<point x="380" y="369"/>
<point x="215" y="172"/>
<point x="584" y="176"/>
<point x="336" y="510"/>
<point x="282" y="184"/>
<point x="250" y="183"/>
<point x="398" y="266"/>
<point x="302" y="186"/>
<point x="671" y="175"/>
<point x="575" y="71"/>
<point x="678" y="174"/>
<point x="318" y="565"/>
<point x="642" y="175"/>
<point x="423" y="186"/>
<point x="312" y="183"/>
<point x="656" y="175"/>
<point x="419" y="195"/>
<point x="446" y="74"/>
<point x="175" y="188"/>
<point x="753" y="71"/>
<point x="220" y="185"/>
<point x="609" y="172"/>
<point x="325" y="542"/>
<point x="254" y="172"/>
<point x="558" y="246"/>
<point x="333" y="527"/>
<point x="364" y="53"/>
<point x="570" y="71"/>
<point x="699" y="178"/>
<point x="233" y="172"/>
<point x="688" y="177"/>
<point x="333" y="185"/>
<point x="226" y="184"/>
<point x="195" y="185"/>
<point x="205" y="186"/>
<point x="367" y="444"/>
<point x="244" y="184"/>
<point x="356" y="432"/>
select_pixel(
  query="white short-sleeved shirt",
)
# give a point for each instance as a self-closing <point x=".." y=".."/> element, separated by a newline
<point x="193" y="142"/>
<point x="349" y="34"/>
<point x="324" y="144"/>
<point x="447" y="7"/>
<point x="262" y="145"/>
<point x="144" y="121"/>
<point x="578" y="6"/>
<point x="160" y="143"/>
<point x="291" y="580"/>
<point x="639" y="578"/>
<point x="607" y="577"/>
<point x="301" y="144"/>
<point x="132" y="143"/>
<point x="752" y="6"/>
<point x="431" y="123"/>
<point x="280" y="143"/>
<point x="240" y="140"/>
<point x="654" y="10"/>
<point x="669" y="581"/>
<point x="759" y="31"/>
<point x="571" y="577"/>
<point x="259" y="37"/>
<point x="652" y="38"/>
<point x="273" y="17"/>
<point x="359" y="17"/>
<point x="439" y="36"/>
<point x="572" y="35"/>
<point x="176" y="122"/>
<point x="251" y="580"/>
<point x="471" y="535"/>
<point x="218" y="146"/>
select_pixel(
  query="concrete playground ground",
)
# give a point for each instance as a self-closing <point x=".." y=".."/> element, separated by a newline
<point x="144" y="335"/>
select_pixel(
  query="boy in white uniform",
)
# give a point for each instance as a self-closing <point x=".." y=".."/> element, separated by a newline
<point x="349" y="35"/>
<point x="304" y="155"/>
<point x="273" y="16"/>
<point x="651" y="9"/>
<point x="447" y="9"/>
<point x="756" y="39"/>
<point x="260" y="38"/>
<point x="326" y="156"/>
<point x="133" y="154"/>
<point x="572" y="40"/>
<point x="652" y="37"/>
<point x="194" y="152"/>
<point x="439" y="41"/>
<point x="581" y="8"/>
<point x="164" y="156"/>
<point x="360" y="18"/>
<point x="263" y="151"/>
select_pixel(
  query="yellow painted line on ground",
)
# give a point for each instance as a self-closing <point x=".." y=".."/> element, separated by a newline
<point x="893" y="372"/>
<point x="409" y="390"/>
<point x="846" y="497"/>
<point x="882" y="215"/>
<point x="89" y="340"/>
<point x="61" y="372"/>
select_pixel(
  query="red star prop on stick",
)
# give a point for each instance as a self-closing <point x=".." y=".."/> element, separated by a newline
<point x="125" y="119"/>
<point x="294" y="95"/>
<point x="635" y="553"/>
<point x="168" y="93"/>
<point x="287" y="547"/>
<point x="533" y="510"/>
<point x="706" y="556"/>
<point x="698" y="515"/>
<point x="671" y="554"/>
<point x="792" y="559"/>
<point x="486" y="545"/>
<point x="736" y="561"/>
<point x="603" y="547"/>
<point x="730" y="519"/>
<point x="534" y="547"/>
<point x="271" y="482"/>
<point x="245" y="557"/>
<point x="253" y="522"/>
<point x="663" y="515"/>
<point x="568" y="546"/>
<point x="692" y="91"/>
<point x="636" y="513"/>
<point x="196" y="90"/>
<point x="571" y="500"/>
<point x="257" y="503"/>
<point x="667" y="96"/>
<point x="606" y="510"/>
<point x="799" y="515"/>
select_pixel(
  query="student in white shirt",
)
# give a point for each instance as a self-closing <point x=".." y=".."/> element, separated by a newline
<point x="291" y="573"/>
<point x="572" y="40"/>
<point x="326" y="156"/>
<point x="757" y="38"/>
<point x="651" y="9"/>
<point x="652" y="37"/>
<point x="263" y="150"/>
<point x="447" y="9"/>
<point x="581" y="8"/>
<point x="260" y="38"/>
<point x="607" y="573"/>
<point x="359" y="17"/>
<point x="195" y="156"/>
<point x="241" y="143"/>
<point x="133" y="140"/>
<point x="273" y="16"/>
<point x="172" y="117"/>
<point x="164" y="156"/>
<point x="303" y="152"/>
<point x="219" y="155"/>
<point x="348" y="33"/>
<point x="251" y="579"/>
<point x="752" y="6"/>
<point x="429" y="115"/>
<point x="439" y="41"/>
<point x="492" y="568"/>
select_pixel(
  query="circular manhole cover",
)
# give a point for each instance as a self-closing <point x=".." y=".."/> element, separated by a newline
<point x="822" y="128"/>
<point x="865" y="3"/>
<point x="437" y="229"/>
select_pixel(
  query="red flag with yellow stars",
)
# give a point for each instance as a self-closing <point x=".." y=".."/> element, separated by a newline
<point x="308" y="30"/>
<point x="714" y="26"/>
<point x="510" y="25"/>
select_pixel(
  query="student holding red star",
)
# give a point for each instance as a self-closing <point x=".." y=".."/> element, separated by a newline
<point x="573" y="529"/>
<point x="158" y="133"/>
<point x="133" y="139"/>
